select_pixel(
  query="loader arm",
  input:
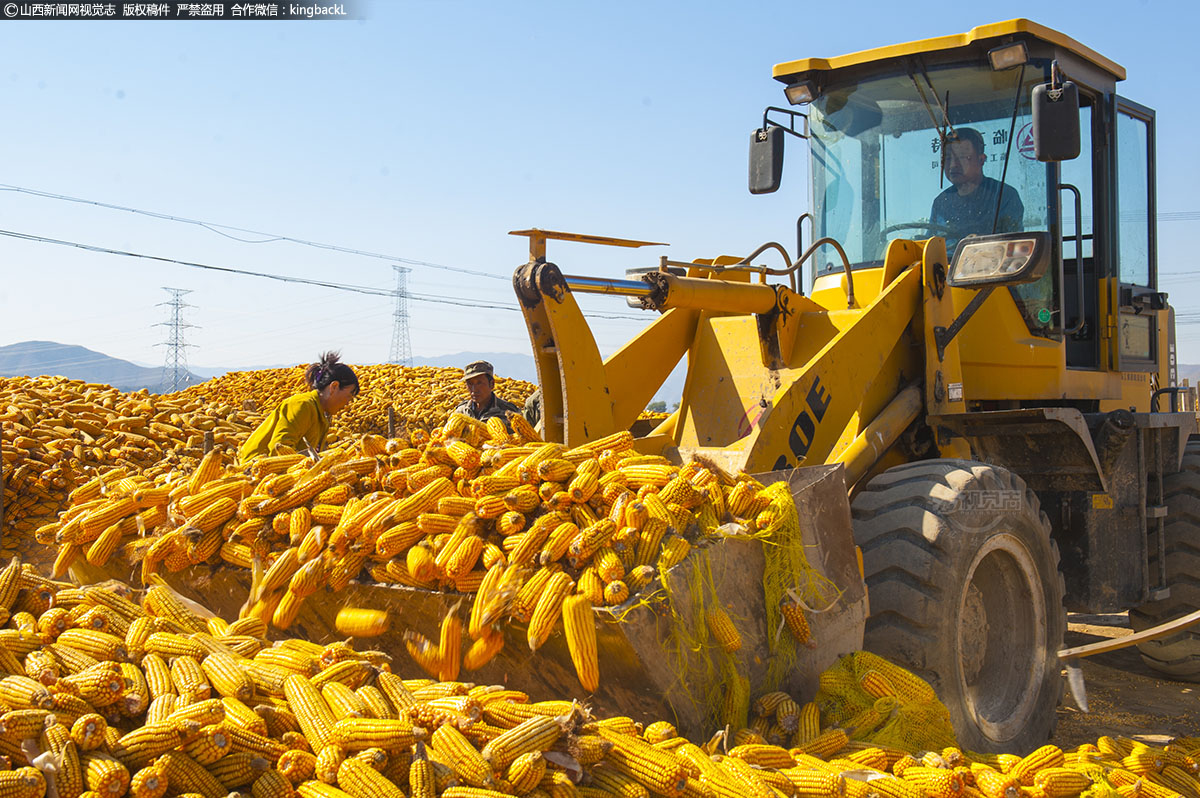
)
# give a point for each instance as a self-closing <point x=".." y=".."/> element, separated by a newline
<point x="846" y="367"/>
<point x="585" y="397"/>
<point x="775" y="379"/>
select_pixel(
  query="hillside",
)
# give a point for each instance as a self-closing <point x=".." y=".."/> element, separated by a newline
<point x="38" y="358"/>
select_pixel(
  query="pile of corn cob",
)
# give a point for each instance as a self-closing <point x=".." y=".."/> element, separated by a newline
<point x="104" y="696"/>
<point x="470" y="508"/>
<point x="59" y="432"/>
<point x="421" y="397"/>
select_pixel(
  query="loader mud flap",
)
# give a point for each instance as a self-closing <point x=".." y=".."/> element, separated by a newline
<point x="641" y="671"/>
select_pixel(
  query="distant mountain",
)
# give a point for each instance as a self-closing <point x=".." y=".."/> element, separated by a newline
<point x="47" y="358"/>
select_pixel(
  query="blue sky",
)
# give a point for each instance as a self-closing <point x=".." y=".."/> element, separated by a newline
<point x="429" y="130"/>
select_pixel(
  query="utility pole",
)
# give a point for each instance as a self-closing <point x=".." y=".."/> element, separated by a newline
<point x="175" y="369"/>
<point x="401" y="348"/>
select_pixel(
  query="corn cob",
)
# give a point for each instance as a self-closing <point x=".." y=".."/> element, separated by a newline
<point x="481" y="652"/>
<point x="534" y="734"/>
<point x="1062" y="782"/>
<point x="580" y="628"/>
<point x="350" y="672"/>
<point x="361" y="622"/>
<point x="162" y="603"/>
<point x="432" y="658"/>
<point x="149" y="782"/>
<point x="470" y="765"/>
<point x="588" y="749"/>
<point x="189" y="679"/>
<point x="68" y="777"/>
<point x="616" y="593"/>
<point x="825" y="744"/>
<point x="657" y="770"/>
<point x="203" y="713"/>
<point x="674" y="549"/>
<point x="590" y="539"/>
<point x="1048" y="756"/>
<point x="226" y="676"/>
<point x="297" y="766"/>
<point x="272" y="784"/>
<point x="238" y="769"/>
<point x="375" y="703"/>
<point x="239" y="714"/>
<point x="104" y="774"/>
<point x="1139" y="761"/>
<point x="186" y="775"/>
<point x="613" y="782"/>
<point x="809" y="783"/>
<point x="211" y="744"/>
<point x="140" y="747"/>
<point x="360" y="780"/>
<point x="548" y="608"/>
<point x="359" y="734"/>
<point x="329" y="760"/>
<point x="99" y="645"/>
<point x="936" y="782"/>
<point x="26" y="782"/>
<point x="21" y="692"/>
<point x="88" y="732"/>
<point x="723" y="630"/>
<point x="316" y="720"/>
<point x="591" y="585"/>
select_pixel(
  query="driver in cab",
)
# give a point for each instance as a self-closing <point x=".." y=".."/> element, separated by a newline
<point x="968" y="206"/>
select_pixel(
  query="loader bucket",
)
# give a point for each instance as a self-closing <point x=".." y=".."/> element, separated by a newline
<point x="642" y="673"/>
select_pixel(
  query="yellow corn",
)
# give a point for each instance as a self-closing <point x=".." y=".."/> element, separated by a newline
<point x="535" y="734"/>
<point x="548" y="609"/>
<point x="1048" y="756"/>
<point x="455" y="749"/>
<point x="659" y="771"/>
<point x="104" y="774"/>
<point x="723" y="630"/>
<point x="580" y="628"/>
<point x="361" y="622"/>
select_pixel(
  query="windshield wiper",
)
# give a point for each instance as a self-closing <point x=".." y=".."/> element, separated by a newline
<point x="1012" y="126"/>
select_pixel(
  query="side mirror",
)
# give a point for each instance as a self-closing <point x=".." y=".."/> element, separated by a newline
<point x="1002" y="259"/>
<point x="766" y="160"/>
<point x="1056" y="121"/>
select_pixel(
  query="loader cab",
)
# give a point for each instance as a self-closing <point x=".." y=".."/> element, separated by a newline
<point x="878" y="125"/>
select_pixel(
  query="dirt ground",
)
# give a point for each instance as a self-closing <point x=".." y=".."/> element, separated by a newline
<point x="1125" y="697"/>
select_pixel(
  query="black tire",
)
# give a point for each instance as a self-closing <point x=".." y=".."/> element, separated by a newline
<point x="1177" y="656"/>
<point x="964" y="589"/>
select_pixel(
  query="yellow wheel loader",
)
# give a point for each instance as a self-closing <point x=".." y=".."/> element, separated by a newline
<point x="980" y="343"/>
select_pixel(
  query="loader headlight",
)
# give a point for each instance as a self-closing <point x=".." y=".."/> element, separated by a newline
<point x="1008" y="55"/>
<point x="801" y="93"/>
<point x="1003" y="259"/>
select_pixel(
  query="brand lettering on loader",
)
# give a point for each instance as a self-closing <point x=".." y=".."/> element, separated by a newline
<point x="804" y="428"/>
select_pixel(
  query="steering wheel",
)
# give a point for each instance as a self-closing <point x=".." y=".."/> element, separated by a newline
<point x="932" y="227"/>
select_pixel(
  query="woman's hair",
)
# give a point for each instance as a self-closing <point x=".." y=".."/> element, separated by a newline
<point x="328" y="369"/>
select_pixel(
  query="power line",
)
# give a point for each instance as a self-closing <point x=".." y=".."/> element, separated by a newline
<point x="359" y="289"/>
<point x="268" y="239"/>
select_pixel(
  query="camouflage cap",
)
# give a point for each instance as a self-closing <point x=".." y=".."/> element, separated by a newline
<point x="477" y="368"/>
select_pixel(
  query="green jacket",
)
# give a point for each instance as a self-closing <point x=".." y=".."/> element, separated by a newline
<point x="298" y="422"/>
